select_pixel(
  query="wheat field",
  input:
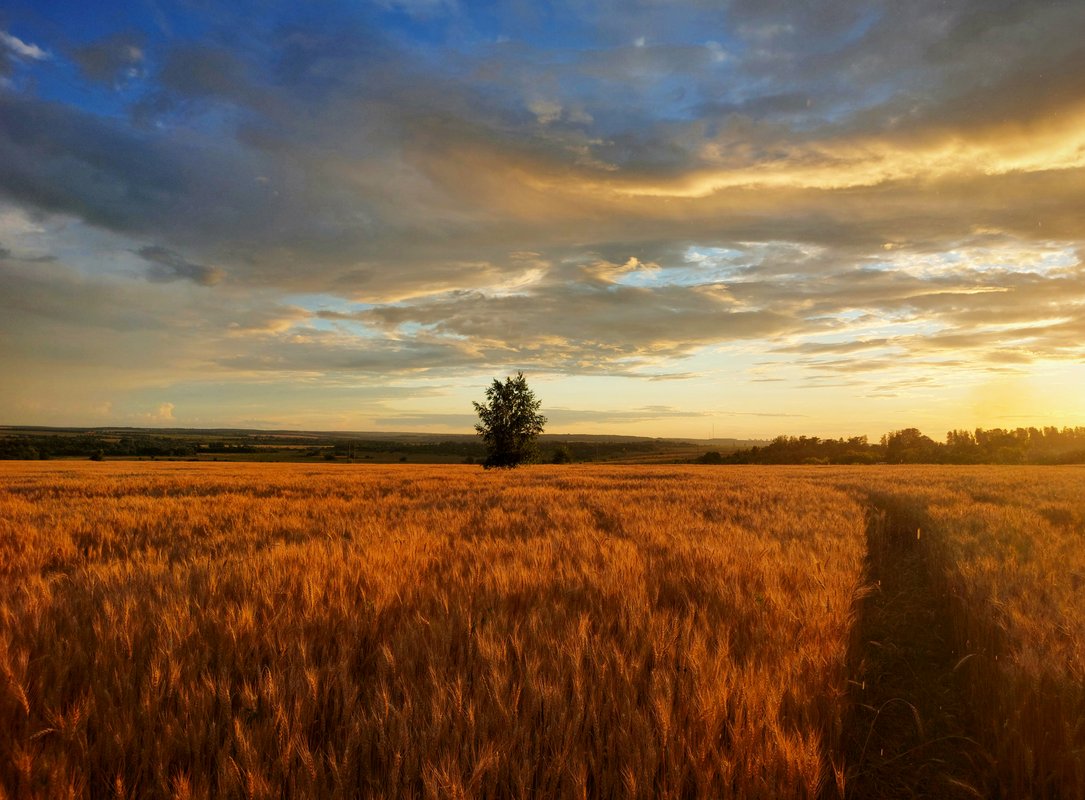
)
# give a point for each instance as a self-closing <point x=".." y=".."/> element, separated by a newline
<point x="176" y="630"/>
<point x="267" y="631"/>
<point x="1007" y="548"/>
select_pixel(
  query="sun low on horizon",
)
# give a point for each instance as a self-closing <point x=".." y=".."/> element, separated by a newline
<point x="734" y="219"/>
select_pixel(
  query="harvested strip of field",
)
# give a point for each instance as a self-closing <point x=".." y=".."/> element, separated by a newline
<point x="255" y="630"/>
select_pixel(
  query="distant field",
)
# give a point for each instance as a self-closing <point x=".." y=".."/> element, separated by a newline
<point x="269" y="630"/>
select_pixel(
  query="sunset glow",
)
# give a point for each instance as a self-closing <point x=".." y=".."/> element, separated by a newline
<point x="677" y="219"/>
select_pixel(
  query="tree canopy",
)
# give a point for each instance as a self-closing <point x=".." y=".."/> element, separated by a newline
<point x="509" y="422"/>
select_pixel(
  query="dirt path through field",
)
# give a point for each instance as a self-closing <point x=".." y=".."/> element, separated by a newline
<point x="909" y="734"/>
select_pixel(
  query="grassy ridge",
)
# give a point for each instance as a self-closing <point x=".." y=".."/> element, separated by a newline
<point x="229" y="631"/>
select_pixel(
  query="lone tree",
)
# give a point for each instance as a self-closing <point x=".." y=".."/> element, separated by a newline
<point x="509" y="422"/>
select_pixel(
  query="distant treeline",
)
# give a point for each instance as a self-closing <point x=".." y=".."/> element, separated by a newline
<point x="27" y="445"/>
<point x="70" y="445"/>
<point x="1049" y="445"/>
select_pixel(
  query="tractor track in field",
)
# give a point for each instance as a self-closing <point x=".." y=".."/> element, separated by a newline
<point x="910" y="731"/>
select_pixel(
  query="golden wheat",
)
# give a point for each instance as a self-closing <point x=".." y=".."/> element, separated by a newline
<point x="1007" y="548"/>
<point x="255" y="631"/>
<point x="199" y="630"/>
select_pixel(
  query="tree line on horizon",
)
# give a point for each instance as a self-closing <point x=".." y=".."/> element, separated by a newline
<point x="42" y="446"/>
<point x="1047" y="445"/>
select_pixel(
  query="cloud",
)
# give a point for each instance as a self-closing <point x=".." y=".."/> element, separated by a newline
<point x="545" y="111"/>
<point x="195" y="77"/>
<point x="20" y="49"/>
<point x="350" y="158"/>
<point x="575" y="327"/>
<point x="560" y="417"/>
<point x="57" y="159"/>
<point x="166" y="266"/>
<point x="42" y="294"/>
<point x="420" y="9"/>
<point x="557" y="417"/>
<point x="112" y="59"/>
<point x="6" y="254"/>
<point x="319" y="353"/>
<point x="851" y="188"/>
<point x="164" y="413"/>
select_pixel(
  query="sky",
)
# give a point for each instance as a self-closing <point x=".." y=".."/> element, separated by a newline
<point x="677" y="217"/>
